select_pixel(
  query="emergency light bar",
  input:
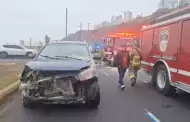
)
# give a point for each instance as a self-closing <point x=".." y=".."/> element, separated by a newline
<point x="122" y="35"/>
<point x="125" y="34"/>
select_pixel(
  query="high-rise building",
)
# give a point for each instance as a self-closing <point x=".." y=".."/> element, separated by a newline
<point x="102" y="24"/>
<point x="119" y="19"/>
<point x="113" y="22"/>
<point x="127" y="16"/>
<point x="167" y="4"/>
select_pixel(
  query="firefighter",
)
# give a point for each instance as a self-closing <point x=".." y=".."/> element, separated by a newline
<point x="135" y="63"/>
<point x="122" y="61"/>
<point x="102" y="54"/>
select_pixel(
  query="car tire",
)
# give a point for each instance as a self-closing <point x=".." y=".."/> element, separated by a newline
<point x="3" y="54"/>
<point x="27" y="103"/>
<point x="94" y="103"/>
<point x="163" y="82"/>
<point x="28" y="55"/>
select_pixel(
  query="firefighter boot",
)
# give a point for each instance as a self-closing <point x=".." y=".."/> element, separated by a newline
<point x="133" y="82"/>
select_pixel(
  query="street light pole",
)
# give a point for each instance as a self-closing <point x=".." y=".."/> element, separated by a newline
<point x="80" y="31"/>
<point x="66" y="22"/>
<point x="30" y="42"/>
<point x="88" y="26"/>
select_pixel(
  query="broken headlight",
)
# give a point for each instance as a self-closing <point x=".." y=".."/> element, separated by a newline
<point x="87" y="74"/>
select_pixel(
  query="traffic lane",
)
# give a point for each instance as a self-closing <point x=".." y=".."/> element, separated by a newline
<point x="115" y="105"/>
<point x="19" y="59"/>
<point x="165" y="108"/>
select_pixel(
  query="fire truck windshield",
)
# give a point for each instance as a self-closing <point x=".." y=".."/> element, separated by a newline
<point x="119" y="42"/>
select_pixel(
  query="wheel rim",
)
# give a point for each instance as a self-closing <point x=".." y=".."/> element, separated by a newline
<point x="29" y="55"/>
<point x="161" y="79"/>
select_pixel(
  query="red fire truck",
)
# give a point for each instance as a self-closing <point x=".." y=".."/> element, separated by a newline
<point x="165" y="50"/>
<point x="114" y="42"/>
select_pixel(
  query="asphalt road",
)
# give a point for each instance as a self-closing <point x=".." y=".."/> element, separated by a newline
<point x="115" y="105"/>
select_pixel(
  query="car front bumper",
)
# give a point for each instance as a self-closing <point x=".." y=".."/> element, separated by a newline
<point x="82" y="91"/>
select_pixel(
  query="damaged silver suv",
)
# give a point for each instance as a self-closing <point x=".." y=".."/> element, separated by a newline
<point x="61" y="73"/>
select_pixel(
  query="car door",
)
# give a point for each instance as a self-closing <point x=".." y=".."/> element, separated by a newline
<point x="19" y="50"/>
<point x="183" y="76"/>
<point x="9" y="49"/>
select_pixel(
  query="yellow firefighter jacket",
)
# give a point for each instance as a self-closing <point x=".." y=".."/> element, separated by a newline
<point x="135" y="58"/>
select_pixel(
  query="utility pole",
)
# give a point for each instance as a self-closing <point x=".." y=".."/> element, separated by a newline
<point x="30" y="42"/>
<point x="80" y="26"/>
<point x="88" y="26"/>
<point x="80" y="30"/>
<point x="66" y="22"/>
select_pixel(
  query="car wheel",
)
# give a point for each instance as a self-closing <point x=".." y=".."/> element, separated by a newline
<point x="27" y="103"/>
<point x="3" y="54"/>
<point x="29" y="54"/>
<point x="162" y="81"/>
<point x="94" y="103"/>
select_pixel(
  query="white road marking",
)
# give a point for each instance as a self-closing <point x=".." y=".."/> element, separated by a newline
<point x="151" y="116"/>
<point x="106" y="74"/>
<point x="114" y="69"/>
<point x="145" y="81"/>
<point x="141" y="71"/>
<point x="109" y="67"/>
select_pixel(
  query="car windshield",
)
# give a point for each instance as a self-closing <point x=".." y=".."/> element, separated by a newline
<point x="65" y="51"/>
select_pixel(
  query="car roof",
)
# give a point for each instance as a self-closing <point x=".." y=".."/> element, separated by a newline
<point x="69" y="42"/>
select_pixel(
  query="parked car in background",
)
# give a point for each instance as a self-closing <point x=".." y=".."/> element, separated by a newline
<point x="16" y="50"/>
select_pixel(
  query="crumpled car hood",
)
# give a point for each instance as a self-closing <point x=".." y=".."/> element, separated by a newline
<point x="62" y="65"/>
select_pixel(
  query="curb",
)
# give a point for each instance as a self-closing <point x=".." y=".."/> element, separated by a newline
<point x="8" y="91"/>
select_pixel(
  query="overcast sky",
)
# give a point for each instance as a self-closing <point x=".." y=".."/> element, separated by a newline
<point x="22" y="19"/>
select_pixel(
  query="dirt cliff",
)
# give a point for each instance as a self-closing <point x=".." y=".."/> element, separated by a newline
<point x="130" y="26"/>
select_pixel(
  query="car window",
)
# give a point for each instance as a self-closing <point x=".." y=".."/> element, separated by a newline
<point x="17" y="47"/>
<point x="6" y="46"/>
<point x="80" y="51"/>
<point x="12" y="46"/>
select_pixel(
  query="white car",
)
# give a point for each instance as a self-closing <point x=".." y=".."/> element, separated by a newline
<point x="16" y="50"/>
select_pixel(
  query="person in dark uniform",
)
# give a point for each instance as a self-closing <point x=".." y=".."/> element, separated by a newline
<point x="122" y="61"/>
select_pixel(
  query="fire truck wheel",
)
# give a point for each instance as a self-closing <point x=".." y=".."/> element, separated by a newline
<point x="162" y="81"/>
